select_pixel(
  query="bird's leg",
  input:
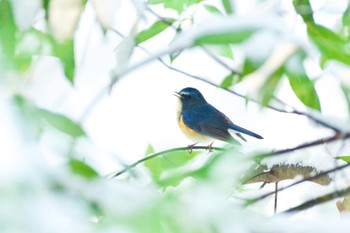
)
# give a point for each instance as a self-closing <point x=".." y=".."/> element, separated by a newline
<point x="210" y="147"/>
<point x="190" y="147"/>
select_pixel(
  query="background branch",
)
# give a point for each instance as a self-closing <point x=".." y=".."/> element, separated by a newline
<point x="306" y="145"/>
<point x="318" y="200"/>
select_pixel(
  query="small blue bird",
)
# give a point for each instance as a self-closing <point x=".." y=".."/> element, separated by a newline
<point x="201" y="122"/>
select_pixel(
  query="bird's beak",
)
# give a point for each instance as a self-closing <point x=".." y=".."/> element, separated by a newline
<point x="177" y="94"/>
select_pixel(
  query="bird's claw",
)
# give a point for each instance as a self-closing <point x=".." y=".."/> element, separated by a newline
<point x="210" y="147"/>
<point x="190" y="147"/>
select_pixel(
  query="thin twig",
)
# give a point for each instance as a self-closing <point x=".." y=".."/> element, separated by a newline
<point x="219" y="61"/>
<point x="311" y="117"/>
<point x="162" y="153"/>
<point x="275" y="203"/>
<point x="318" y="200"/>
<point x="306" y="145"/>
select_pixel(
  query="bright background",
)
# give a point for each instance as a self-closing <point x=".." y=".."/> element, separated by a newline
<point x="140" y="110"/>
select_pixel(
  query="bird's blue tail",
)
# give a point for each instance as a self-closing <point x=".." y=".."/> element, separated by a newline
<point x="245" y="131"/>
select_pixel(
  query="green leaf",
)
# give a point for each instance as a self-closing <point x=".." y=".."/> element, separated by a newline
<point x="331" y="45"/>
<point x="226" y="51"/>
<point x="227" y="6"/>
<point x="303" y="87"/>
<point x="154" y="30"/>
<point x="171" y="161"/>
<point x="153" y="165"/>
<point x="233" y="37"/>
<point x="173" y="56"/>
<point x="65" y="52"/>
<point x="346" y="16"/>
<point x="346" y="92"/>
<point x="7" y="31"/>
<point x="227" y="82"/>
<point x="61" y="123"/>
<point x="250" y="66"/>
<point x="82" y="169"/>
<point x="346" y="23"/>
<point x="178" y="5"/>
<point x="202" y="172"/>
<point x="269" y="88"/>
<point x="345" y="158"/>
<point x="212" y="9"/>
<point x="304" y="9"/>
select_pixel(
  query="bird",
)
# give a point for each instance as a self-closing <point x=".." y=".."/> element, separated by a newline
<point x="202" y="122"/>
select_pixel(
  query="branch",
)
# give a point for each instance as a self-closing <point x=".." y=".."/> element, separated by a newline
<point x="128" y="168"/>
<point x="306" y="145"/>
<point x="318" y="200"/>
<point x="320" y="178"/>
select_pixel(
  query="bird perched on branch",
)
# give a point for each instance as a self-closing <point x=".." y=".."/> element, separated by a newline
<point x="201" y="122"/>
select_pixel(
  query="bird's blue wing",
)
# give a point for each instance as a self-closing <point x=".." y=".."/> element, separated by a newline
<point x="208" y="121"/>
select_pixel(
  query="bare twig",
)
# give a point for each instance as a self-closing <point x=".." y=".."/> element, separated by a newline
<point x="306" y="145"/>
<point x="275" y="202"/>
<point x="318" y="200"/>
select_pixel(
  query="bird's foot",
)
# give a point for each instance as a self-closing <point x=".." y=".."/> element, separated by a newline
<point x="190" y="147"/>
<point x="210" y="147"/>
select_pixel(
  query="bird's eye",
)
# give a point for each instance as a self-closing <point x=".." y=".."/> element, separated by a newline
<point x="189" y="97"/>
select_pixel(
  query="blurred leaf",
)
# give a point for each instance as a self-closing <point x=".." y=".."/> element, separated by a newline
<point x="227" y="82"/>
<point x="153" y="165"/>
<point x="178" y="5"/>
<point x="233" y="37"/>
<point x="303" y="87"/>
<point x="331" y="45"/>
<point x="82" y="169"/>
<point x="212" y="9"/>
<point x="345" y="158"/>
<point x="346" y="16"/>
<point x="346" y="92"/>
<point x="173" y="56"/>
<point x="303" y="8"/>
<point x="158" y="166"/>
<point x="227" y="6"/>
<point x="201" y="172"/>
<point x="346" y="22"/>
<point x="249" y="67"/>
<point x="7" y="30"/>
<point x="269" y="88"/>
<point x="149" y="150"/>
<point x="65" y="52"/>
<point x="62" y="123"/>
<point x="226" y="51"/>
<point x="154" y="30"/>
<point x="46" y="8"/>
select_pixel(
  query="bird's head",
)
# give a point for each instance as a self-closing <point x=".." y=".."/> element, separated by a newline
<point x="190" y="97"/>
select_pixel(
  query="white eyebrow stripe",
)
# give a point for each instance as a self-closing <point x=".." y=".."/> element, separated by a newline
<point x="184" y="93"/>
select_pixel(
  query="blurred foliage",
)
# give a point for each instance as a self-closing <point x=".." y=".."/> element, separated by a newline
<point x="345" y="158"/>
<point x="154" y="30"/>
<point x="169" y="201"/>
<point x="39" y="118"/>
<point x="82" y="169"/>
